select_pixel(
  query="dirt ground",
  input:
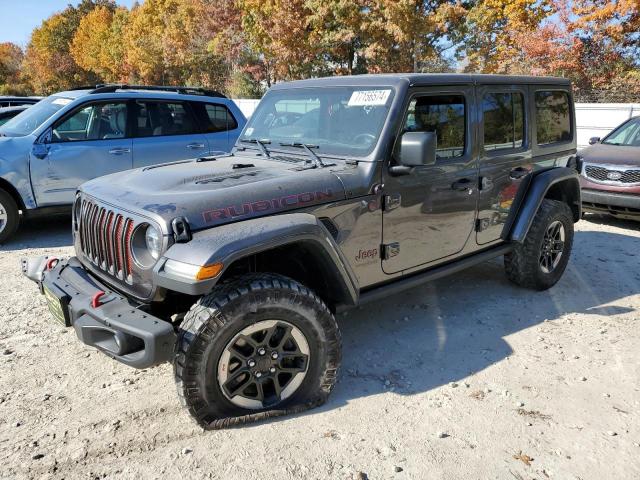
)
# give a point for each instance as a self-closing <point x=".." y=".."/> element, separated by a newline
<point x="467" y="377"/>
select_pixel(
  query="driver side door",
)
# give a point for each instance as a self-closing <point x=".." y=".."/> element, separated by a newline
<point x="429" y="213"/>
<point x="92" y="141"/>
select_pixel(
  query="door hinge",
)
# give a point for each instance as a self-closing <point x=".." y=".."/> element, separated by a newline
<point x="389" y="250"/>
<point x="391" y="201"/>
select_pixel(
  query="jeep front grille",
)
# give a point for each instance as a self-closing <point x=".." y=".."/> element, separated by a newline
<point x="612" y="175"/>
<point x="105" y="239"/>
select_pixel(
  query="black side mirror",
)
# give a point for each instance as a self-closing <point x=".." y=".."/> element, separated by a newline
<point x="418" y="148"/>
<point x="594" y="140"/>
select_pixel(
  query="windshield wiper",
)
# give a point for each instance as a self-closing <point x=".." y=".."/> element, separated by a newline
<point x="318" y="161"/>
<point x="260" y="143"/>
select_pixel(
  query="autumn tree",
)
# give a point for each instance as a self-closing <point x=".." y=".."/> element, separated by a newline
<point x="10" y="60"/>
<point x="336" y="28"/>
<point x="11" y="83"/>
<point x="166" y="43"/>
<point x="280" y="31"/>
<point x="48" y="63"/>
<point x="97" y="45"/>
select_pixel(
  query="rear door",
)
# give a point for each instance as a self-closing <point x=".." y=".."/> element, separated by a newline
<point x="165" y="131"/>
<point x="91" y="141"/>
<point x="430" y="214"/>
<point x="505" y="158"/>
<point x="219" y="125"/>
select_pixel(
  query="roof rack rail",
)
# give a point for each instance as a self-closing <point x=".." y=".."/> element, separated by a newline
<point x="113" y="87"/>
<point x="87" y="87"/>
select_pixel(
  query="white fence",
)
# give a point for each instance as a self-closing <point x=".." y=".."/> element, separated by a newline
<point x="598" y="119"/>
<point x="592" y="119"/>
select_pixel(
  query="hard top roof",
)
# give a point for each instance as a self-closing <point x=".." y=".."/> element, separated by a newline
<point x="423" y="79"/>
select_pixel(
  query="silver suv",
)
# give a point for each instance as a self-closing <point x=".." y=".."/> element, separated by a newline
<point x="47" y="151"/>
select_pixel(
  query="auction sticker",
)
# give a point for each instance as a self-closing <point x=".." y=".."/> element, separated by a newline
<point x="369" y="98"/>
<point x="62" y="101"/>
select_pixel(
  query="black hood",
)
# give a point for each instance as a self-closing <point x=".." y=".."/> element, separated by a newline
<point x="215" y="192"/>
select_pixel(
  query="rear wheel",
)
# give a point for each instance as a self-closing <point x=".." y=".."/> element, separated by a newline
<point x="260" y="346"/>
<point x="9" y="216"/>
<point x="542" y="258"/>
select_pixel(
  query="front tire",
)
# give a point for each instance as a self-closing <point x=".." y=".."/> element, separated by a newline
<point x="9" y="216"/>
<point x="542" y="258"/>
<point x="260" y="346"/>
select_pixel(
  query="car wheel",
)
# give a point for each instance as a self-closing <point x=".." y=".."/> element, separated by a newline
<point x="9" y="216"/>
<point x="542" y="258"/>
<point x="260" y="346"/>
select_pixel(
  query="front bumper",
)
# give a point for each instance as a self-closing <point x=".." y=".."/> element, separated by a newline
<point x="611" y="202"/>
<point x="114" y="326"/>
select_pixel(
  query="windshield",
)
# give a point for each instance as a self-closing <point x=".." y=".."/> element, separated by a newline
<point x="26" y="122"/>
<point x="627" y="134"/>
<point x="337" y="120"/>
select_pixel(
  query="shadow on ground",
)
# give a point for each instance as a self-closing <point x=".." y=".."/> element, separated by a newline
<point x="47" y="232"/>
<point x="443" y="331"/>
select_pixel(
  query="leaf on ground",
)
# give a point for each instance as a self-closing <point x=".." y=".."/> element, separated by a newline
<point x="526" y="459"/>
<point x="478" y="395"/>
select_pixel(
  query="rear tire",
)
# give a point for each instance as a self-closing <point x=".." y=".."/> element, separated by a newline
<point x="542" y="258"/>
<point x="223" y="376"/>
<point x="9" y="216"/>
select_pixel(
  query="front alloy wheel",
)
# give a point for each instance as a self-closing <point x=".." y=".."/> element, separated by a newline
<point x="256" y="347"/>
<point x="9" y="216"/>
<point x="264" y="364"/>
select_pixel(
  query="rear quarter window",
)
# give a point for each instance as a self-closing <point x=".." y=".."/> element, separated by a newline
<point x="214" y="117"/>
<point x="553" y="117"/>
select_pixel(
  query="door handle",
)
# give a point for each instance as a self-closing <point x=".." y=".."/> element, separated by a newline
<point x="119" y="151"/>
<point x="195" y="146"/>
<point x="518" y="173"/>
<point x="463" y="185"/>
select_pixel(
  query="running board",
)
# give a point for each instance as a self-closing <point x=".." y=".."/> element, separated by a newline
<point x="396" y="286"/>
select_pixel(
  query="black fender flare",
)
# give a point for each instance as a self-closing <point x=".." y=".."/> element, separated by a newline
<point x="228" y="243"/>
<point x="559" y="183"/>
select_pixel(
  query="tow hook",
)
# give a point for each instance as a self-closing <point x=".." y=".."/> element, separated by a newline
<point x="52" y="262"/>
<point x="96" y="299"/>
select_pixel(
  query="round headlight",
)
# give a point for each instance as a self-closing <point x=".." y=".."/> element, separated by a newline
<point x="153" y="240"/>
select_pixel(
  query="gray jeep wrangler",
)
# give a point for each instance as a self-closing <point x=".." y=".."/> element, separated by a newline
<point x="339" y="191"/>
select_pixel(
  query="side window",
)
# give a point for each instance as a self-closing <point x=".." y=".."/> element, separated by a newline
<point x="215" y="118"/>
<point x="553" y="117"/>
<point x="99" y="121"/>
<point x="443" y="114"/>
<point x="154" y="119"/>
<point x="503" y="118"/>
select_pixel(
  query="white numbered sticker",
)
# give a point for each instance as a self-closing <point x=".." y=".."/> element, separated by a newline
<point x="369" y="98"/>
<point x="62" y="101"/>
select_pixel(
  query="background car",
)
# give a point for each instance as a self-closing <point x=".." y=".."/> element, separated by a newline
<point x="7" y="113"/>
<point x="610" y="172"/>
<point x="9" y="101"/>
<point x="74" y="136"/>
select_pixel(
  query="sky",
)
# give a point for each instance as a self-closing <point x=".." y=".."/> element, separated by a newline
<point x="19" y="17"/>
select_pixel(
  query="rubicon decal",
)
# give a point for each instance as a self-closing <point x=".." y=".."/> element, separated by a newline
<point x="260" y="206"/>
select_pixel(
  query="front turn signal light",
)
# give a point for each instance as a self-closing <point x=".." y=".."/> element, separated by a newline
<point x="209" y="271"/>
<point x="188" y="271"/>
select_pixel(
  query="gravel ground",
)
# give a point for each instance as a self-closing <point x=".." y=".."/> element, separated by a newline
<point x="467" y="377"/>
